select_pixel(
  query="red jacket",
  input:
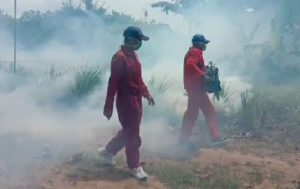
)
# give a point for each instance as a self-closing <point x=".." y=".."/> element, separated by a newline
<point x="125" y="78"/>
<point x="194" y="69"/>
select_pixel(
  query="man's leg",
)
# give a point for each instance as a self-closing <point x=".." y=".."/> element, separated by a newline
<point x="116" y="143"/>
<point x="132" y="147"/>
<point x="210" y="117"/>
<point x="133" y="144"/>
<point x="112" y="148"/>
<point x="189" y="118"/>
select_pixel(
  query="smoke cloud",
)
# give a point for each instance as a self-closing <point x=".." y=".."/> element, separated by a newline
<point x="34" y="111"/>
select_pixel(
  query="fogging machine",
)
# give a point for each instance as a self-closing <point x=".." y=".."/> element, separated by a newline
<point x="215" y="85"/>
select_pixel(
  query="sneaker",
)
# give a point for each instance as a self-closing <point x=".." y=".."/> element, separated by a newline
<point x="219" y="140"/>
<point x="139" y="173"/>
<point x="107" y="157"/>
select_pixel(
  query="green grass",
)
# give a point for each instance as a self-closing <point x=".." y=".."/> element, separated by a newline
<point x="185" y="176"/>
<point x="86" y="79"/>
<point x="272" y="111"/>
<point x="227" y="92"/>
<point x="159" y="85"/>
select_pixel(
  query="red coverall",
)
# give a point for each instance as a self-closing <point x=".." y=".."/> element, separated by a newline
<point x="126" y="80"/>
<point x="194" y="68"/>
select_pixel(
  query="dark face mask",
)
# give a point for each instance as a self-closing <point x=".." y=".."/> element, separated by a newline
<point x="202" y="46"/>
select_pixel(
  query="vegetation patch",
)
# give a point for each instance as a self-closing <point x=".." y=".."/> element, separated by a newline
<point x="184" y="176"/>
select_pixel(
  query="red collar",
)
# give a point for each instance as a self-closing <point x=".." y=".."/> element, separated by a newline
<point x="196" y="49"/>
<point x="127" y="51"/>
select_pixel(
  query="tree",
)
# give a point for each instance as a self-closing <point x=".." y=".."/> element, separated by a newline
<point x="35" y="28"/>
<point x="186" y="8"/>
<point x="190" y="9"/>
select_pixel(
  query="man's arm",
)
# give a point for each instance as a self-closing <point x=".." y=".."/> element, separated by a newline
<point x="192" y="67"/>
<point x="144" y="88"/>
<point x="145" y="91"/>
<point x="116" y="71"/>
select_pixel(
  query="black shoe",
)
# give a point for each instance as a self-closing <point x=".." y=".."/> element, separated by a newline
<point x="219" y="141"/>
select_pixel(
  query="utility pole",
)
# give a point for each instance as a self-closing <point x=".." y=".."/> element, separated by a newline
<point x="15" y="36"/>
<point x="144" y="15"/>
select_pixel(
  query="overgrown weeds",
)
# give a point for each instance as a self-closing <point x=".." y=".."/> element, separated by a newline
<point x="264" y="108"/>
<point x="272" y="111"/>
<point x="184" y="176"/>
<point x="159" y="85"/>
<point x="86" y="79"/>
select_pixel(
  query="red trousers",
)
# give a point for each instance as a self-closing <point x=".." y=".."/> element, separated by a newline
<point x="130" y="115"/>
<point x="198" y="99"/>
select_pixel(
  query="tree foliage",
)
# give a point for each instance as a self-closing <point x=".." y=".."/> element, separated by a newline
<point x="35" y="28"/>
<point x="285" y="21"/>
<point x="183" y="7"/>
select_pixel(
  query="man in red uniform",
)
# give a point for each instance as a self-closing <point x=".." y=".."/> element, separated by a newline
<point x="194" y="84"/>
<point x="126" y="81"/>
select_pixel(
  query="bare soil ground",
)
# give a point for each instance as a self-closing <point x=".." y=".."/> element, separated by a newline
<point x="232" y="167"/>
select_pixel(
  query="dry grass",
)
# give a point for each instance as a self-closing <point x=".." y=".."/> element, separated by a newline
<point x="184" y="176"/>
<point x="176" y="175"/>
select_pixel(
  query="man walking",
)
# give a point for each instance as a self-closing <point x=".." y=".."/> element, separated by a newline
<point x="126" y="81"/>
<point x="195" y="82"/>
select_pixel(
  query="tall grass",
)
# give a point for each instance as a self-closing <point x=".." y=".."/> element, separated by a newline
<point x="86" y="79"/>
<point x="226" y="93"/>
<point x="271" y="109"/>
<point x="261" y="109"/>
<point x="159" y="85"/>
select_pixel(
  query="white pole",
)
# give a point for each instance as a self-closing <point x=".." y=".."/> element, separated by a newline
<point x="15" y="36"/>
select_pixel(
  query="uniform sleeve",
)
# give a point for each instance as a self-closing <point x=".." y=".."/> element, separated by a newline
<point x="144" y="88"/>
<point x="192" y="65"/>
<point x="116" y="70"/>
<point x="145" y="91"/>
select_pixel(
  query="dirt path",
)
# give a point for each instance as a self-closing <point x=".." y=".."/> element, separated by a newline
<point x="59" y="182"/>
<point x="274" y="171"/>
<point x="90" y="173"/>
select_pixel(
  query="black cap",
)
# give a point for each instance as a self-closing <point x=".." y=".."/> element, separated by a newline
<point x="135" y="32"/>
<point x="198" y="38"/>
